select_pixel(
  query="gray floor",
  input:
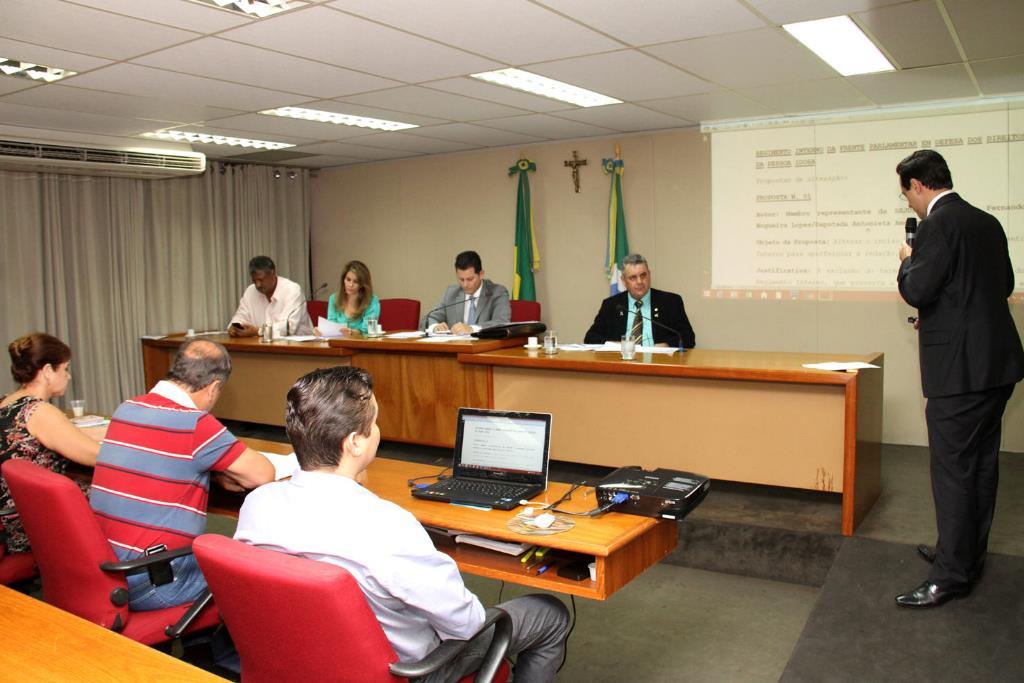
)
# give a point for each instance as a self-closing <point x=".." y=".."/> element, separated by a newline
<point x="675" y="623"/>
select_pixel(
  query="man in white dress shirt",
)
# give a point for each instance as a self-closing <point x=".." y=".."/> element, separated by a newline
<point x="270" y="299"/>
<point x="416" y="591"/>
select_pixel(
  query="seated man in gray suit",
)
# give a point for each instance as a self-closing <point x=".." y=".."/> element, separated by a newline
<point x="471" y="305"/>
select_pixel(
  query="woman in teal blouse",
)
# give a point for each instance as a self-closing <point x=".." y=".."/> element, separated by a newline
<point x="354" y="302"/>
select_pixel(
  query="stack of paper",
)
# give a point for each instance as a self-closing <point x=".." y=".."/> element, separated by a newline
<point x="329" y="329"/>
<point x="89" y="421"/>
<point x="492" y="544"/>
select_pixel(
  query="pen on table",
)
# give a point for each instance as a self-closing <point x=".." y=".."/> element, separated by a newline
<point x="545" y="568"/>
<point x="528" y="554"/>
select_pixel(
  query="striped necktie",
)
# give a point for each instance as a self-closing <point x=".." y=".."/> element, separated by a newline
<point x="637" y="331"/>
<point x="471" y="318"/>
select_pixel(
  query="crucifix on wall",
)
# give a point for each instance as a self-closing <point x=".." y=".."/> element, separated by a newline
<point x="575" y="164"/>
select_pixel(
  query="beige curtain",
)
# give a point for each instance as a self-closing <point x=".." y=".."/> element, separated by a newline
<point x="101" y="261"/>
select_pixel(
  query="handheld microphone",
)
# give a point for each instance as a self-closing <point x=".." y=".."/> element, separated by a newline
<point x="679" y="335"/>
<point x="316" y="291"/>
<point x="911" y="230"/>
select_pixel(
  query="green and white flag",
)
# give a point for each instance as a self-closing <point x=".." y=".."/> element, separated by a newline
<point x="526" y="257"/>
<point x="618" y="244"/>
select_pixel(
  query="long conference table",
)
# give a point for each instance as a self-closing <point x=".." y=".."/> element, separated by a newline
<point x="742" y="416"/>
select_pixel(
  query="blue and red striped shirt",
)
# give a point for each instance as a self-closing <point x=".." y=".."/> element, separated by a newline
<point x="152" y="476"/>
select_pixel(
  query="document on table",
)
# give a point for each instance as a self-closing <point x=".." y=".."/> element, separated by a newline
<point x="284" y="465"/>
<point x="835" y="365"/>
<point x="330" y="329"/>
<point x="617" y="348"/>
<point x="415" y="334"/>
<point x="446" y="338"/>
<point x="300" y="337"/>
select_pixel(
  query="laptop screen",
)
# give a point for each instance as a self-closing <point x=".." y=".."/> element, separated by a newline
<point x="502" y="445"/>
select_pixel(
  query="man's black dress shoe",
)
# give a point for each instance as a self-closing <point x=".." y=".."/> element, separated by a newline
<point x="930" y="595"/>
<point x="927" y="553"/>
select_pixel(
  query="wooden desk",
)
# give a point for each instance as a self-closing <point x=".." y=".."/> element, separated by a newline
<point x="753" y="417"/>
<point x="42" y="643"/>
<point x="419" y="386"/>
<point x="623" y="546"/>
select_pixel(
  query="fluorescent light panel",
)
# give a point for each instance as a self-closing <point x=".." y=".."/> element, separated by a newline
<point x="342" y="119"/>
<point x="35" y="72"/>
<point x="842" y="44"/>
<point x="209" y="139"/>
<point x="253" y="8"/>
<point x="517" y="79"/>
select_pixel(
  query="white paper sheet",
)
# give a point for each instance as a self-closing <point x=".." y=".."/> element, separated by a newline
<point x="300" y="337"/>
<point x="330" y="329"/>
<point x="616" y="347"/>
<point x="446" y="338"/>
<point x="416" y="334"/>
<point x="835" y="365"/>
<point x="284" y="465"/>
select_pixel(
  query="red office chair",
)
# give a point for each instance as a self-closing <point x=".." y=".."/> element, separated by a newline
<point x="302" y="620"/>
<point x="80" y="572"/>
<point x="523" y="311"/>
<point x="316" y="310"/>
<point x="15" y="567"/>
<point x="399" y="314"/>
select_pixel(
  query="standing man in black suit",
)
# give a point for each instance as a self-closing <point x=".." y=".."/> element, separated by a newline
<point x="958" y="275"/>
<point x="662" y="317"/>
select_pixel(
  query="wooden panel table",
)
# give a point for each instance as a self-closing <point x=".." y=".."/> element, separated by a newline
<point x="42" y="643"/>
<point x="622" y="546"/>
<point x="420" y="386"/>
<point x="755" y="417"/>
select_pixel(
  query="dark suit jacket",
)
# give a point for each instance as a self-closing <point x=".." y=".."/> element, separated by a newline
<point x="959" y="277"/>
<point x="666" y="308"/>
<point x="492" y="308"/>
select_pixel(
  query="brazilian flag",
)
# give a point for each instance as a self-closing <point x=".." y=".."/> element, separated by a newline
<point x="618" y="245"/>
<point x="526" y="257"/>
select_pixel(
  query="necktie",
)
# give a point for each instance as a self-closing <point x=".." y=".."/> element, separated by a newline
<point x="471" y="318"/>
<point x="637" y="331"/>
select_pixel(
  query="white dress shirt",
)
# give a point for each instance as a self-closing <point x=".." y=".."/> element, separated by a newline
<point x="286" y="305"/>
<point x="415" y="590"/>
<point x="475" y="298"/>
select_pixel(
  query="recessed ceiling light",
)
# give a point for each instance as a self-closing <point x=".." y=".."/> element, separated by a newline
<point x="342" y="119"/>
<point x="254" y="8"/>
<point x="35" y="72"/>
<point x="518" y="79"/>
<point x="842" y="44"/>
<point x="209" y="139"/>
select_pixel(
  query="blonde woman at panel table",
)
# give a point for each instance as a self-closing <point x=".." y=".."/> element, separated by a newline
<point x="354" y="302"/>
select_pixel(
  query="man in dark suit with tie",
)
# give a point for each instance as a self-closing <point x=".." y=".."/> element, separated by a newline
<point x="958" y="275"/>
<point x="650" y="316"/>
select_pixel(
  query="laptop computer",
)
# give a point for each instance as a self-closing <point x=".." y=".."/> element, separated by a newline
<point x="501" y="457"/>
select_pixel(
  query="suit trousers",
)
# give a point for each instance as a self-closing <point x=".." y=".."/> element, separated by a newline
<point x="964" y="436"/>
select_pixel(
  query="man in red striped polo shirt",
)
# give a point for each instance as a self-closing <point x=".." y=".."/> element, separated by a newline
<point x="152" y="476"/>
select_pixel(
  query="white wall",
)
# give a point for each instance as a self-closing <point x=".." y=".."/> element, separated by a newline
<point x="407" y="220"/>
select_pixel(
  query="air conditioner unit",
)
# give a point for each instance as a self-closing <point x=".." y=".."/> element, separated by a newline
<point x="41" y="157"/>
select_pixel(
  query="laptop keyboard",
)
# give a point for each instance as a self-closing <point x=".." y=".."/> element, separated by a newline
<point x="456" y="487"/>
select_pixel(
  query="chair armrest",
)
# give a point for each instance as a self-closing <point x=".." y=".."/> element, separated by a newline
<point x="198" y="605"/>
<point x="448" y="650"/>
<point x="141" y="563"/>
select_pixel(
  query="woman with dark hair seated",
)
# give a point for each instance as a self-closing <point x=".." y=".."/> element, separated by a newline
<point x="354" y="303"/>
<point x="31" y="427"/>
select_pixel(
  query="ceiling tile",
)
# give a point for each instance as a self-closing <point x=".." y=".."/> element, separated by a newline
<point x="738" y="61"/>
<point x="216" y="58"/>
<point x="133" y="79"/>
<point x="37" y="117"/>
<point x="179" y="13"/>
<point x="373" y="112"/>
<point x="789" y="11"/>
<point x="709" y="106"/>
<point x="433" y="103"/>
<point x="1000" y="76"/>
<point x="915" y="34"/>
<point x="659" y="21"/>
<point x="61" y="59"/>
<point x="9" y="84"/>
<point x="988" y="28"/>
<point x="354" y="151"/>
<point x="471" y="87"/>
<point x="475" y="135"/>
<point x="795" y="98"/>
<point x="544" y="126"/>
<point x="618" y="74"/>
<point x="917" y="85"/>
<point x="280" y="125"/>
<point x="625" y="117"/>
<point x="510" y="31"/>
<point x="411" y="142"/>
<point x="85" y="30"/>
<point x="69" y="98"/>
<point x="59" y="137"/>
<point x="337" y="38"/>
<point x="324" y="161"/>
